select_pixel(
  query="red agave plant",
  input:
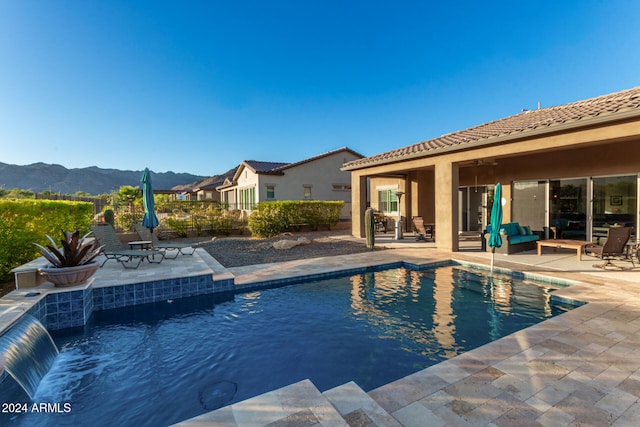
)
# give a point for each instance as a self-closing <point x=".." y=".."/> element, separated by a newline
<point x="75" y="250"/>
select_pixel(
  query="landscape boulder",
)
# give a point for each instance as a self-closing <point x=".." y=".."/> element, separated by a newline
<point x="288" y="243"/>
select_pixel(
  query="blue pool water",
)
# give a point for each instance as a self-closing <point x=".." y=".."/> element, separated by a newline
<point x="157" y="364"/>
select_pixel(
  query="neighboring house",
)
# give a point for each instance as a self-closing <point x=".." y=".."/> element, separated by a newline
<point x="317" y="178"/>
<point x="206" y="190"/>
<point x="203" y="190"/>
<point x="184" y="196"/>
<point x="570" y="170"/>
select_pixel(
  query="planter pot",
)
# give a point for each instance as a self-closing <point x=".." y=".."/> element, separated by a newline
<point x="69" y="276"/>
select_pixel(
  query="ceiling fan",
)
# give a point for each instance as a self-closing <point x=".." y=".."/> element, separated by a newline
<point x="481" y="162"/>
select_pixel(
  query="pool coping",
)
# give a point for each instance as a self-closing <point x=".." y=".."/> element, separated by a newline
<point x="60" y="308"/>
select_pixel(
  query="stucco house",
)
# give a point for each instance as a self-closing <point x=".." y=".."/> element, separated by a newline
<point x="316" y="178"/>
<point x="574" y="166"/>
<point x="207" y="190"/>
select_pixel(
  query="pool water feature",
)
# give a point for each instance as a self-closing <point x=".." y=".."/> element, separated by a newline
<point x="161" y="363"/>
<point x="29" y="352"/>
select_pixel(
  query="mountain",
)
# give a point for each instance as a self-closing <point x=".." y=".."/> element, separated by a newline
<point x="215" y="180"/>
<point x="40" y="177"/>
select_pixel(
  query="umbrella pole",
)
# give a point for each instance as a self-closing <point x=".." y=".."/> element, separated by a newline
<point x="493" y="253"/>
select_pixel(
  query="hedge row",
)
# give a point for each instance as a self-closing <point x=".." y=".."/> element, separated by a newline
<point x="25" y="221"/>
<point x="272" y="218"/>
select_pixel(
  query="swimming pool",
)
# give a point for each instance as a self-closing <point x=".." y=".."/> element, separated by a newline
<point x="157" y="364"/>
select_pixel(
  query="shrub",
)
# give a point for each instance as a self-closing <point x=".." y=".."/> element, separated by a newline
<point x="109" y="216"/>
<point x="229" y="221"/>
<point x="180" y="226"/>
<point x="220" y="222"/>
<point x="272" y="218"/>
<point x="126" y="219"/>
<point x="268" y="219"/>
<point x="25" y="221"/>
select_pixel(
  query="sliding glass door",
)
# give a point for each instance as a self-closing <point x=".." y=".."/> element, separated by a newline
<point x="473" y="208"/>
<point x="578" y="208"/>
<point x="568" y="208"/>
<point x="615" y="203"/>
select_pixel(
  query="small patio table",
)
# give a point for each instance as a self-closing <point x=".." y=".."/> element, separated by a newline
<point x="578" y="245"/>
<point x="140" y="244"/>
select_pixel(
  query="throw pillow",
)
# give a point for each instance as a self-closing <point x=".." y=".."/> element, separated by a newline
<point x="522" y="230"/>
<point x="527" y="229"/>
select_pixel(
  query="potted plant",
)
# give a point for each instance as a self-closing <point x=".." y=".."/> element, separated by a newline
<point x="73" y="263"/>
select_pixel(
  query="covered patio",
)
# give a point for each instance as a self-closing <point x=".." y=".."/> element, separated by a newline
<point x="537" y="155"/>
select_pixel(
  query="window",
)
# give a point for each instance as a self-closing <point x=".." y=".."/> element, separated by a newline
<point x="248" y="198"/>
<point x="387" y="200"/>
<point x="271" y="192"/>
<point x="307" y="192"/>
<point x="341" y="187"/>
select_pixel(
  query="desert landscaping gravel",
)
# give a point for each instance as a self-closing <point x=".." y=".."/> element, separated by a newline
<point x="240" y="251"/>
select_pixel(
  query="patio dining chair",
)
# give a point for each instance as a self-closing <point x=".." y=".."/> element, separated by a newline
<point x="113" y="248"/>
<point x="380" y="222"/>
<point x="180" y="248"/>
<point x="614" y="248"/>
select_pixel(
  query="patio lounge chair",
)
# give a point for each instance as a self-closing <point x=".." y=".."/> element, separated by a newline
<point x="145" y="234"/>
<point x="613" y="248"/>
<point x="423" y="231"/>
<point x="113" y="248"/>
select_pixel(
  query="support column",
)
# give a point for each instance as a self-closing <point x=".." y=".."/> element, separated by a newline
<point x="358" y="203"/>
<point x="446" y="187"/>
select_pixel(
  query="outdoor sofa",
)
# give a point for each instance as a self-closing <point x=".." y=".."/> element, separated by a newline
<point x="515" y="238"/>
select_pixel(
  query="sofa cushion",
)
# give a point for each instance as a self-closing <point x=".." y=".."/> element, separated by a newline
<point x="514" y="240"/>
<point x="532" y="237"/>
<point x="514" y="233"/>
<point x="511" y="228"/>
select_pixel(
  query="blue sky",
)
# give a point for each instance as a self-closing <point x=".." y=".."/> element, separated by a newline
<point x="199" y="86"/>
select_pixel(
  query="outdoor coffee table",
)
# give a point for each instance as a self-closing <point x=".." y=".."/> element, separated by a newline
<point x="578" y="245"/>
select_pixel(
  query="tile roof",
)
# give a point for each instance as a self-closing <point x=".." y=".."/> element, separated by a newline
<point x="209" y="184"/>
<point x="517" y="126"/>
<point x="319" y="156"/>
<point x="265" y="167"/>
<point x="275" y="168"/>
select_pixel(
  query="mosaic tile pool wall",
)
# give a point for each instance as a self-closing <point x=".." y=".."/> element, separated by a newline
<point x="73" y="308"/>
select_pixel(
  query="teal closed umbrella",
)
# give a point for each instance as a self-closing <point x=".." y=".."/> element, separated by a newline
<point x="150" y="219"/>
<point x="495" y="240"/>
